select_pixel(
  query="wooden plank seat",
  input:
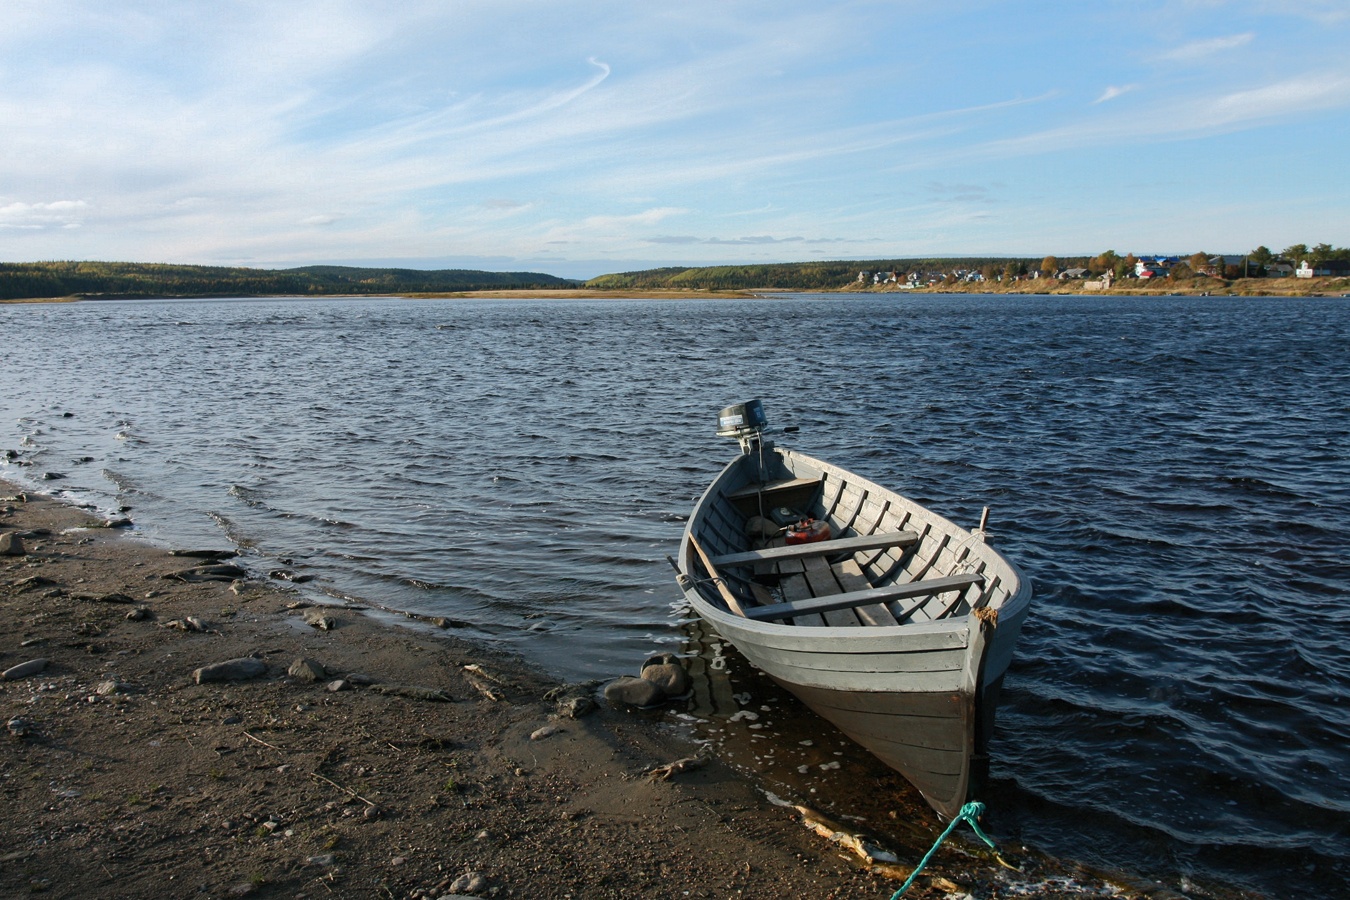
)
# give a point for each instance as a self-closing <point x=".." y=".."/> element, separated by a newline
<point x="914" y="589"/>
<point x="774" y="487"/>
<point x="877" y="541"/>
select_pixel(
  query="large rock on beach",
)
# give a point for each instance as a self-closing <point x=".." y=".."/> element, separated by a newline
<point x="627" y="691"/>
<point x="667" y="672"/>
<point x="306" y="669"/>
<point x="230" y="670"/>
<point x="11" y="544"/>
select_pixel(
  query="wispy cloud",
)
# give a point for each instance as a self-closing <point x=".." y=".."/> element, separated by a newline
<point x="1114" y="91"/>
<point x="1208" y="47"/>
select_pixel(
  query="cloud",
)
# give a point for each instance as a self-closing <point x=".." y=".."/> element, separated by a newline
<point x="747" y="240"/>
<point x="1284" y="98"/>
<point x="37" y="216"/>
<point x="1208" y="47"/>
<point x="1113" y="92"/>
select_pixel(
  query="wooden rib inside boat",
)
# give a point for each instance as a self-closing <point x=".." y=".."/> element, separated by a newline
<point x="890" y="621"/>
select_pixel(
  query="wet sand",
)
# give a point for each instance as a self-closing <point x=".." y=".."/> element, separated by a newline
<point x="442" y="768"/>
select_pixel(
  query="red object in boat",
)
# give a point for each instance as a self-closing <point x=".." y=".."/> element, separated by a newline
<point x="808" y="531"/>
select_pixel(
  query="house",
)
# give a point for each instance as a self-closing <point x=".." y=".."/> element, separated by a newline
<point x="1150" y="269"/>
<point x="1100" y="284"/>
<point x="1333" y="268"/>
<point x="1067" y="274"/>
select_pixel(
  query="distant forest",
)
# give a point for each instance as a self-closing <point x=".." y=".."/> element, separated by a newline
<point x="65" y="279"/>
<point x="110" y="280"/>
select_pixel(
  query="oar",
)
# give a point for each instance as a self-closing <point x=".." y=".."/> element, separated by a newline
<point x="732" y="603"/>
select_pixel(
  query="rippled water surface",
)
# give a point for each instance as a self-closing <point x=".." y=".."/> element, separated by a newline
<point x="1172" y="474"/>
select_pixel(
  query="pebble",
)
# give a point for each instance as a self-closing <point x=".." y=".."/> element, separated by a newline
<point x="547" y="731"/>
<point x="139" y="613"/>
<point x="469" y="881"/>
<point x="230" y="670"/>
<point x="340" y="684"/>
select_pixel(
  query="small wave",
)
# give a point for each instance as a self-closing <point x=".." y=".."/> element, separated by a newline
<point x="250" y="496"/>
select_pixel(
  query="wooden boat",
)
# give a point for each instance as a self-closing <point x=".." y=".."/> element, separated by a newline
<point x="897" y="626"/>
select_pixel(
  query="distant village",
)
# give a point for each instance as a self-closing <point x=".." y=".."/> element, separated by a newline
<point x="1104" y="272"/>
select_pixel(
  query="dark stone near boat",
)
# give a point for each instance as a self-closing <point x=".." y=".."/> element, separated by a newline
<point x="216" y="555"/>
<point x="316" y="619"/>
<point x="287" y="575"/>
<point x="209" y="573"/>
<point x="230" y="670"/>
<point x="667" y="673"/>
<point x="11" y="545"/>
<point x="575" y="707"/>
<point x="627" y="691"/>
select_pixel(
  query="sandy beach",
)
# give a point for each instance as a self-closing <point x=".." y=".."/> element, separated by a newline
<point x="398" y="761"/>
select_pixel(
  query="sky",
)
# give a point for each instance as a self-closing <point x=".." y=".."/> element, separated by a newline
<point x="580" y="139"/>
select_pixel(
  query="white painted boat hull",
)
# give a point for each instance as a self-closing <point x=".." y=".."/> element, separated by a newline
<point x="920" y="694"/>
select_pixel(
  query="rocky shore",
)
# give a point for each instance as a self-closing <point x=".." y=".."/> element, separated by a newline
<point x="175" y="728"/>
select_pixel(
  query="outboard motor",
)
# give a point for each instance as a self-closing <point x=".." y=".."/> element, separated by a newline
<point x="745" y="422"/>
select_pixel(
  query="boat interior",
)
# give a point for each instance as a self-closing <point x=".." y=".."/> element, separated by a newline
<point x="877" y="565"/>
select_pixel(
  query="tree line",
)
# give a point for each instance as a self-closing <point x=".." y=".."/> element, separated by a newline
<point x="114" y="279"/>
<point x="840" y="273"/>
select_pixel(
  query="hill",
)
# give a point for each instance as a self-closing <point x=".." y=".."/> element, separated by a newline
<point x="812" y="276"/>
<point x="115" y="279"/>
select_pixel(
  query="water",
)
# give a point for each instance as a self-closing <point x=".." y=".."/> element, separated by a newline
<point x="1172" y="473"/>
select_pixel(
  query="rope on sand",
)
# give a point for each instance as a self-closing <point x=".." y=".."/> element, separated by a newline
<point x="971" y="812"/>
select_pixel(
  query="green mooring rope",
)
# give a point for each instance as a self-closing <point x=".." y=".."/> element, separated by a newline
<point x="971" y="812"/>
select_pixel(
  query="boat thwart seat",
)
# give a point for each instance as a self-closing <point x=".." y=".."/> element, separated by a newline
<point x="923" y="590"/>
<point x="855" y="544"/>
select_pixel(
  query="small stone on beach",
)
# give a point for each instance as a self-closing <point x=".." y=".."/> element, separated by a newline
<point x="547" y="731"/>
<point x="11" y="544"/>
<point x="24" y="669"/>
<point x="230" y="670"/>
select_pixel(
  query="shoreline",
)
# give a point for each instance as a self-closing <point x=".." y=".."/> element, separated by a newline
<point x="1272" y="288"/>
<point x="443" y="760"/>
